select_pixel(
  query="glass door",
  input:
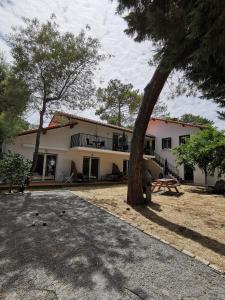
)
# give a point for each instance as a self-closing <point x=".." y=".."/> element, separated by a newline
<point x="38" y="172"/>
<point x="90" y="167"/>
<point x="50" y="166"/>
<point x="86" y="167"/>
<point x="94" y="167"/>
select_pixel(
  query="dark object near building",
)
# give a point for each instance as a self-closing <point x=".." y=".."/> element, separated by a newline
<point x="219" y="187"/>
<point x="23" y="186"/>
<point x="44" y="224"/>
<point x="37" y="214"/>
<point x="146" y="181"/>
<point x="165" y="169"/>
<point x="116" y="174"/>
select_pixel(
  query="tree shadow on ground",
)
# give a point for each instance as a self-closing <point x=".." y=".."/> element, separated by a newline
<point x="188" y="233"/>
<point x="170" y="194"/>
<point x="79" y="248"/>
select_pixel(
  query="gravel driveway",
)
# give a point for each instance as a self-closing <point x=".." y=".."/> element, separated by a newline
<point x="84" y="253"/>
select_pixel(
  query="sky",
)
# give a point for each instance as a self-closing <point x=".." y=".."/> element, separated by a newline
<point x="129" y="61"/>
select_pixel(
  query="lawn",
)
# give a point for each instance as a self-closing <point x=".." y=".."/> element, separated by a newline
<point x="194" y="220"/>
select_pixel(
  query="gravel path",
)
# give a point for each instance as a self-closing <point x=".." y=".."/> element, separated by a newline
<point x="85" y="253"/>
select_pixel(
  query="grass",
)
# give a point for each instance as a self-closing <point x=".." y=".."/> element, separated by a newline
<point x="193" y="221"/>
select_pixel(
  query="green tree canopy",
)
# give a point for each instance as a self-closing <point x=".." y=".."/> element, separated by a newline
<point x="117" y="102"/>
<point x="14" y="98"/>
<point x="57" y="67"/>
<point x="204" y="149"/>
<point x="195" y="119"/>
<point x="189" y="37"/>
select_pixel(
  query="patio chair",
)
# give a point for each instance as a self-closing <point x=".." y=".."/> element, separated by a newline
<point x="88" y="142"/>
<point x="69" y="179"/>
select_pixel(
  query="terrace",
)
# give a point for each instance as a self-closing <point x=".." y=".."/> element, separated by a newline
<point x="117" y="143"/>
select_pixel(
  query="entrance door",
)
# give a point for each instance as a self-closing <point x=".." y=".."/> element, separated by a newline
<point x="91" y="167"/>
<point x="86" y="166"/>
<point x="50" y="166"/>
<point x="188" y="173"/>
<point x="94" y="167"/>
<point x="45" y="168"/>
<point x="115" y="141"/>
<point x="38" y="172"/>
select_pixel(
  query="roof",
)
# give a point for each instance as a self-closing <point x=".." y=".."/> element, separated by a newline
<point x="53" y="124"/>
<point x="70" y="116"/>
<point x="180" y="123"/>
<point x="29" y="131"/>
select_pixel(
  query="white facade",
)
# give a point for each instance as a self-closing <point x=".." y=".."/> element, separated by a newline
<point x="171" y="129"/>
<point x="92" y="147"/>
<point x="56" y="142"/>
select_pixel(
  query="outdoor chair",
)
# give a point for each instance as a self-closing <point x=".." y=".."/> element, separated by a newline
<point x="69" y="179"/>
<point x="88" y="142"/>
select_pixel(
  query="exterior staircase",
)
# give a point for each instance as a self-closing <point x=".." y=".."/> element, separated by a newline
<point x="172" y="170"/>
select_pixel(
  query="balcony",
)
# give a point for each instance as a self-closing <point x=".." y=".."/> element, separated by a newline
<point x="103" y="143"/>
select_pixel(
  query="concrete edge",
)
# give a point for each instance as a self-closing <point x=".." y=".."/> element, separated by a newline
<point x="214" y="267"/>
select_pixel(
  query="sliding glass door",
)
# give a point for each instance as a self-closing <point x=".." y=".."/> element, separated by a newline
<point x="91" y="167"/>
<point x="50" y="166"/>
<point x="46" y="167"/>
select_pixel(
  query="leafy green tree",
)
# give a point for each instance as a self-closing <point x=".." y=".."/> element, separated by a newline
<point x="184" y="33"/>
<point x="204" y="149"/>
<point x="57" y="67"/>
<point x="14" y="96"/>
<point x="14" y="169"/>
<point x="195" y="119"/>
<point x="160" y="110"/>
<point x="118" y="102"/>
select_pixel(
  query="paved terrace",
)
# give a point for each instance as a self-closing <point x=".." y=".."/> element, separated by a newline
<point x="85" y="253"/>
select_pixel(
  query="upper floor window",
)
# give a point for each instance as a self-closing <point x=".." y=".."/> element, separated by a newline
<point x="167" y="143"/>
<point x="183" y="139"/>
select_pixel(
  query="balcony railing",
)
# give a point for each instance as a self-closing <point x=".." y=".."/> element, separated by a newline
<point x="103" y="143"/>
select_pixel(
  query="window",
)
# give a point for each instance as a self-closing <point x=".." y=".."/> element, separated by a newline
<point x="167" y="143"/>
<point x="120" y="142"/>
<point x="183" y="139"/>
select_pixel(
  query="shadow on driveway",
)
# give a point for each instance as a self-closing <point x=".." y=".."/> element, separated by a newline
<point x="85" y="253"/>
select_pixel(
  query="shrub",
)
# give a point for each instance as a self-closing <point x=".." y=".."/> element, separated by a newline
<point x="14" y="169"/>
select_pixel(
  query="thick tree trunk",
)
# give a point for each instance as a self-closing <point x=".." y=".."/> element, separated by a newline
<point x="151" y="94"/>
<point x="37" y="143"/>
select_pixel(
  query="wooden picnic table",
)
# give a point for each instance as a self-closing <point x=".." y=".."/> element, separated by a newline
<point x="167" y="183"/>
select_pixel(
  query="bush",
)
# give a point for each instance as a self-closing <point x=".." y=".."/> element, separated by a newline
<point x="220" y="187"/>
<point x="14" y="169"/>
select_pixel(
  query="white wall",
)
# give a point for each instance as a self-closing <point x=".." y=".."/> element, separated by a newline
<point x="161" y="129"/>
<point x="57" y="141"/>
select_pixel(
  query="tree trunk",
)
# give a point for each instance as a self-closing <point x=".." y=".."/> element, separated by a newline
<point x="151" y="94"/>
<point x="37" y="142"/>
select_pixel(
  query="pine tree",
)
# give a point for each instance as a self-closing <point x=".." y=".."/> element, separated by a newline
<point x="188" y="36"/>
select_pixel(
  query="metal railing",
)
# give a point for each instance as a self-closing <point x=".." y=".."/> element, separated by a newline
<point x="104" y="143"/>
<point x="161" y="161"/>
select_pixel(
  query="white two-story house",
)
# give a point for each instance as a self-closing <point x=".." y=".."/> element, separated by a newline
<point x="69" y="142"/>
<point x="92" y="148"/>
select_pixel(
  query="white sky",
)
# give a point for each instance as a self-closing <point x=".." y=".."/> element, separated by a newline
<point x="130" y="61"/>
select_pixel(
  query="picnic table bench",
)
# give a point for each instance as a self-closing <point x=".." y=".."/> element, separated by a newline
<point x="165" y="183"/>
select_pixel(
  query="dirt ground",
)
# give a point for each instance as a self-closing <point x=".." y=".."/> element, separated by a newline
<point x="193" y="220"/>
